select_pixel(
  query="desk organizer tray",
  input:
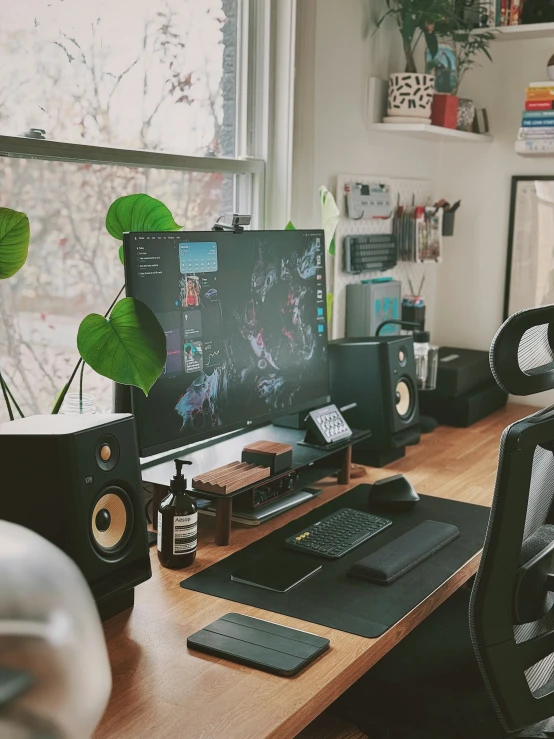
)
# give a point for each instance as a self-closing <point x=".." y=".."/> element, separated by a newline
<point x="333" y="598"/>
<point x="230" y="477"/>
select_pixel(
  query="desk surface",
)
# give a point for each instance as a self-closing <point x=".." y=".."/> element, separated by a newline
<point x="163" y="690"/>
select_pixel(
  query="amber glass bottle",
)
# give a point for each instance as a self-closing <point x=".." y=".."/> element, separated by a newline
<point x="177" y="524"/>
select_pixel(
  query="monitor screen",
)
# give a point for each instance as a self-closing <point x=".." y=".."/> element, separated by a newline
<point x="246" y="327"/>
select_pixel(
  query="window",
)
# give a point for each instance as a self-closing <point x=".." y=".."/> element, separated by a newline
<point x="150" y="96"/>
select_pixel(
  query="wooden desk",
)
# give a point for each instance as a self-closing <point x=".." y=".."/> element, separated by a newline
<point x="162" y="691"/>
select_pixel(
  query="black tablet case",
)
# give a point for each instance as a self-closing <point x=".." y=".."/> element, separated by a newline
<point x="258" y="643"/>
<point x="334" y="599"/>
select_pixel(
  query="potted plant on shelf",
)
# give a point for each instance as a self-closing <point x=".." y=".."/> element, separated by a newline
<point x="467" y="45"/>
<point x="410" y="92"/>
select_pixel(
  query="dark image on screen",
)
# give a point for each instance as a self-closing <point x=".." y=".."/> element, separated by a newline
<point x="253" y="335"/>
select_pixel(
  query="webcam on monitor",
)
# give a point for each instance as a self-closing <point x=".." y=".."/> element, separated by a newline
<point x="232" y="222"/>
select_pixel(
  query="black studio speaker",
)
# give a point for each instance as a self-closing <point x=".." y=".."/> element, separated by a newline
<point x="378" y="374"/>
<point x="76" y="481"/>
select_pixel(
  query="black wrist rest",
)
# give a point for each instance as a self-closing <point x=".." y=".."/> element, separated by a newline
<point x="401" y="555"/>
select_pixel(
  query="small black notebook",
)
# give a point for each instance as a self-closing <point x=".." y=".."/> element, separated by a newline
<point x="281" y="572"/>
<point x="257" y="643"/>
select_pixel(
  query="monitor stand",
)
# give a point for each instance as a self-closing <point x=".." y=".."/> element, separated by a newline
<point x="310" y="464"/>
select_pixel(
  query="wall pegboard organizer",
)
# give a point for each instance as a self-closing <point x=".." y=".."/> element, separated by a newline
<point x="404" y="192"/>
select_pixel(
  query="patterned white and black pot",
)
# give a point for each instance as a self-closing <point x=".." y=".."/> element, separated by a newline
<point x="466" y="115"/>
<point x="411" y="95"/>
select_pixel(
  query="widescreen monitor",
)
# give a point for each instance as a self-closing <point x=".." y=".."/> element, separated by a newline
<point x="245" y="318"/>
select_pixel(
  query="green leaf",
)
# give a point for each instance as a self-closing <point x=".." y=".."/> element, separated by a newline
<point x="329" y="217"/>
<point x="129" y="347"/>
<point x="329" y="307"/>
<point x="432" y="43"/>
<point x="290" y="226"/>
<point x="138" y="213"/>
<point x="121" y="257"/>
<point x="332" y="247"/>
<point x="408" y="29"/>
<point x="15" y="234"/>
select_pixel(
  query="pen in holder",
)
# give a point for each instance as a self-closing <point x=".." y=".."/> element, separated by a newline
<point x="413" y="310"/>
<point x="413" y="305"/>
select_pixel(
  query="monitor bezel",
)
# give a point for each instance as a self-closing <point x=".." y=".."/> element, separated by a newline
<point x="264" y="419"/>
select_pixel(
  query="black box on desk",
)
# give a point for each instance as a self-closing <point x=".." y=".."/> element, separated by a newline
<point x="461" y="370"/>
<point x="465" y="409"/>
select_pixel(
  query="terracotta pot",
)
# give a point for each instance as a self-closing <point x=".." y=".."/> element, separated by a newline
<point x="445" y="110"/>
<point x="411" y="95"/>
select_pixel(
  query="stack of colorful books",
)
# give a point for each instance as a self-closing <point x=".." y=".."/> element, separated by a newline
<point x="536" y="135"/>
<point x="495" y="13"/>
<point x="508" y="12"/>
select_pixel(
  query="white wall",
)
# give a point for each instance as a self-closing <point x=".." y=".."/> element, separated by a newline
<point x="470" y="289"/>
<point x="334" y="61"/>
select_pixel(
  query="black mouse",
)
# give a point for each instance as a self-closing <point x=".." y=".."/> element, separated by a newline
<point x="392" y="493"/>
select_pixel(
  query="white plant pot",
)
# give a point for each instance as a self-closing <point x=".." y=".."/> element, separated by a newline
<point x="411" y="95"/>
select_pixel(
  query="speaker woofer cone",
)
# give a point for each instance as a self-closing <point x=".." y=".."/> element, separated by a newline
<point x="112" y="520"/>
<point x="405" y="399"/>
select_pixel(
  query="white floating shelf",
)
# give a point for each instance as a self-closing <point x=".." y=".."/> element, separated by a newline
<point x="523" y="152"/>
<point x="535" y="154"/>
<point x="518" y="33"/>
<point x="432" y="133"/>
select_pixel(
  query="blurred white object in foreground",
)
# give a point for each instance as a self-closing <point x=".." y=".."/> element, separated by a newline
<point x="49" y="629"/>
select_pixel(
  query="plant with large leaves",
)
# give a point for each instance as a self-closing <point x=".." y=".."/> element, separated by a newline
<point x="15" y="235"/>
<point x="416" y="19"/>
<point x="468" y="43"/>
<point x="126" y="344"/>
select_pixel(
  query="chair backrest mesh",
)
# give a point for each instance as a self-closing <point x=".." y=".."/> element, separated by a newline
<point x="541" y="491"/>
<point x="522" y="352"/>
<point x="534" y="351"/>
<point x="539" y="512"/>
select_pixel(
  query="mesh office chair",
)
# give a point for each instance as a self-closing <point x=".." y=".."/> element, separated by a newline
<point x="490" y="676"/>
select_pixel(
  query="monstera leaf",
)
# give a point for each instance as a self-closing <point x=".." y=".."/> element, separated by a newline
<point x="128" y="347"/>
<point x="329" y="217"/>
<point x="14" y="241"/>
<point x="138" y="213"/>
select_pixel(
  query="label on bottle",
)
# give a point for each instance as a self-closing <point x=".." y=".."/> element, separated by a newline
<point x="185" y="533"/>
<point x="159" y="531"/>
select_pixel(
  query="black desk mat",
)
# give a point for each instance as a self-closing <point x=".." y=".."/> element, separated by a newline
<point x="331" y="598"/>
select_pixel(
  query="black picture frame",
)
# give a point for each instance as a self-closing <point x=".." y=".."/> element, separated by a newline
<point x="516" y="179"/>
